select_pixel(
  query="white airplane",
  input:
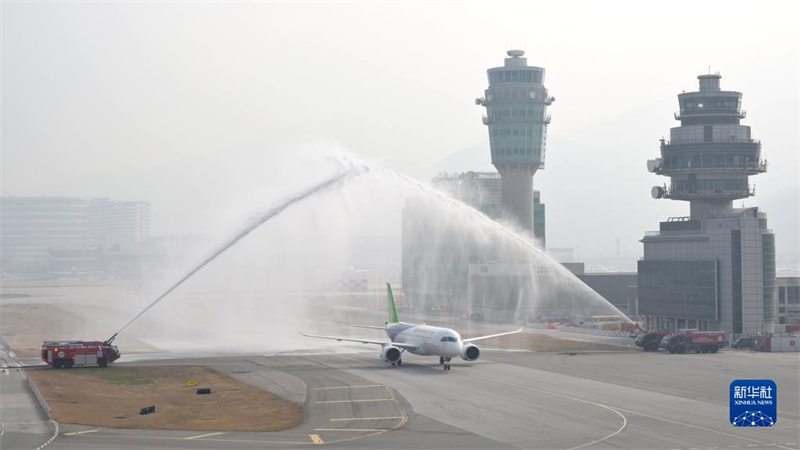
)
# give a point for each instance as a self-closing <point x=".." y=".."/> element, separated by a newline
<point x="422" y="340"/>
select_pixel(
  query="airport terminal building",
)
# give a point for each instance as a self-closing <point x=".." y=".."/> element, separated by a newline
<point x="67" y="234"/>
<point x="715" y="268"/>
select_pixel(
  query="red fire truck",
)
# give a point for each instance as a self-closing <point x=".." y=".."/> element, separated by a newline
<point x="68" y="354"/>
<point x="694" y="341"/>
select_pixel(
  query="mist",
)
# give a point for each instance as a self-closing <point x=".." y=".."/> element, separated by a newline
<point x="184" y="104"/>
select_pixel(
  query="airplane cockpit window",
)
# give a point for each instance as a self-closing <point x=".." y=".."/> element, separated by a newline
<point x="449" y="339"/>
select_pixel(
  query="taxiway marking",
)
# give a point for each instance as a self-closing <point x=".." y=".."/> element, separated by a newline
<point x="348" y="387"/>
<point x="619" y="411"/>
<point x="368" y="418"/>
<point x="353" y="430"/>
<point x="75" y="433"/>
<point x="204" y="435"/>
<point x="609" y="408"/>
<point x="357" y="401"/>
<point x="316" y="439"/>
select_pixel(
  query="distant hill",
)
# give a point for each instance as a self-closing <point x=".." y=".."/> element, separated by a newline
<point x="476" y="158"/>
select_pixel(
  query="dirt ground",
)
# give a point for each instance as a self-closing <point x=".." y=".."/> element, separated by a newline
<point x="545" y="343"/>
<point x="528" y="340"/>
<point x="112" y="397"/>
<point x="25" y="326"/>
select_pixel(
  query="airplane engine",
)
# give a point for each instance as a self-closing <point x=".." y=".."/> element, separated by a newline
<point x="470" y="352"/>
<point x="390" y="354"/>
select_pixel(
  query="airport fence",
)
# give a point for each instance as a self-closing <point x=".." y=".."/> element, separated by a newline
<point x="38" y="395"/>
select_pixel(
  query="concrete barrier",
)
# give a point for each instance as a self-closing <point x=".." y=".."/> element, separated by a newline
<point x="38" y="395"/>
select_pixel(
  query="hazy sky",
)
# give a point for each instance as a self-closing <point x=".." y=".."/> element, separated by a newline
<point x="177" y="103"/>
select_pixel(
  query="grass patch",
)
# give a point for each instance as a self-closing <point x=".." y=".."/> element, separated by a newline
<point x="112" y="397"/>
<point x="544" y="343"/>
<point x="115" y="375"/>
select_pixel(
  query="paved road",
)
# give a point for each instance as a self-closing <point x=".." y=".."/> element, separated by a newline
<point x="22" y="422"/>
<point x="340" y="407"/>
<point x="625" y="400"/>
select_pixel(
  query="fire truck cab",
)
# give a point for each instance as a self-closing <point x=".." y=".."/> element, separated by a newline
<point x="694" y="341"/>
<point x="68" y="354"/>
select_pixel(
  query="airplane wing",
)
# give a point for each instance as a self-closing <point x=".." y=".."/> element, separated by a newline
<point x="363" y="341"/>
<point x="491" y="336"/>
<point x="374" y="327"/>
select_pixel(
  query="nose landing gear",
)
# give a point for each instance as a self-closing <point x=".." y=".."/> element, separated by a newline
<point x="445" y="361"/>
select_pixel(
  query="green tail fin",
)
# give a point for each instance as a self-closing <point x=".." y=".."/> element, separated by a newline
<point x="392" y="308"/>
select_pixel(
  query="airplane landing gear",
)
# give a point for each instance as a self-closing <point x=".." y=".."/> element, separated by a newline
<point x="446" y="362"/>
<point x="441" y="360"/>
<point x="399" y="362"/>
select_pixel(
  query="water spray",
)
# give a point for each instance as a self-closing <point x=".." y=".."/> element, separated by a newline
<point x="248" y="228"/>
<point x="505" y="230"/>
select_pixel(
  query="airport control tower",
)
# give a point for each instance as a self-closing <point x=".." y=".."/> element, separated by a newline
<point x="715" y="268"/>
<point x="516" y="112"/>
<point x="710" y="156"/>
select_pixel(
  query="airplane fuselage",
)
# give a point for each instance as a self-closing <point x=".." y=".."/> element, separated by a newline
<point x="427" y="339"/>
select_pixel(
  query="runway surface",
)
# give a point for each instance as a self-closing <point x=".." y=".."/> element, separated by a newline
<point x="625" y="400"/>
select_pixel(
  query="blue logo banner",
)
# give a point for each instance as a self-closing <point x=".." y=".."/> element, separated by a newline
<point x="754" y="403"/>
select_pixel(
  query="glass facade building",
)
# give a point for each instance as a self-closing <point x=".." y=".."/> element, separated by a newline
<point x="686" y="289"/>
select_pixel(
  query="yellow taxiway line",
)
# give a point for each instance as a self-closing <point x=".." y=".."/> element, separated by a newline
<point x="353" y="430"/>
<point x="368" y="418"/>
<point x="316" y="439"/>
<point x="348" y="387"/>
<point x="75" y="433"/>
<point x="358" y="401"/>
<point x="204" y="435"/>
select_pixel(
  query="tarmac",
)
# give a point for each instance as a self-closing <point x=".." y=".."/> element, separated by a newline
<point x="604" y="400"/>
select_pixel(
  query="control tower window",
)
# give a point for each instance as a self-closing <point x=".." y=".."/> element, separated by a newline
<point x="532" y="93"/>
<point x="708" y="133"/>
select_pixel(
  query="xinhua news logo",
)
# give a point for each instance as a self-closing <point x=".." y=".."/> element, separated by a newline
<point x="754" y="403"/>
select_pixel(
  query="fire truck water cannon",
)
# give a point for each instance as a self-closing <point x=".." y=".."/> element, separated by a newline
<point x="68" y="354"/>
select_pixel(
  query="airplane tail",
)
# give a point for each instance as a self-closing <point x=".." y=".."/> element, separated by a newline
<point x="392" y="308"/>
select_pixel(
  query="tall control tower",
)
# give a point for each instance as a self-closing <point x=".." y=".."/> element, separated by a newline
<point x="516" y="113"/>
<point x="713" y="270"/>
<point x="710" y="156"/>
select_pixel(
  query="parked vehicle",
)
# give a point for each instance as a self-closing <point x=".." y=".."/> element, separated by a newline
<point x="694" y="341"/>
<point x="69" y="354"/>
<point x="743" y="342"/>
<point x="649" y="341"/>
